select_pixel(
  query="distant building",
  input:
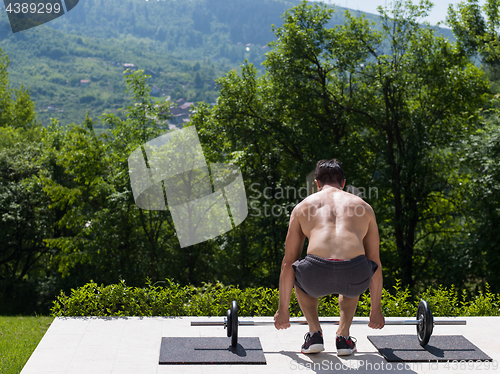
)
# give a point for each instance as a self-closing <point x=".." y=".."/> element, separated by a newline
<point x="179" y="118"/>
<point x="183" y="109"/>
<point x="84" y="82"/>
<point x="181" y="112"/>
<point x="130" y="67"/>
<point x="186" y="106"/>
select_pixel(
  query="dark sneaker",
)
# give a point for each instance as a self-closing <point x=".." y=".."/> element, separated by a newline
<point x="345" y="347"/>
<point x="313" y="343"/>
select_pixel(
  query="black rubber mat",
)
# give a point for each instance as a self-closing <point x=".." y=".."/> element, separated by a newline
<point x="210" y="351"/>
<point x="401" y="348"/>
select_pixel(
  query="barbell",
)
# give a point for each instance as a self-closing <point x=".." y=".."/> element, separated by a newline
<point x="425" y="323"/>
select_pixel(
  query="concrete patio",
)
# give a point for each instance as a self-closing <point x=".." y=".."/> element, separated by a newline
<point x="131" y="345"/>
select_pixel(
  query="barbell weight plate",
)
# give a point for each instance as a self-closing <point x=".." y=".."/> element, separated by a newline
<point x="228" y="323"/>
<point x="430" y="326"/>
<point x="421" y="315"/>
<point x="234" y="324"/>
<point x="424" y="329"/>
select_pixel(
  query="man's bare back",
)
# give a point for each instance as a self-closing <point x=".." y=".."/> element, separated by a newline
<point x="335" y="222"/>
<point x="340" y="226"/>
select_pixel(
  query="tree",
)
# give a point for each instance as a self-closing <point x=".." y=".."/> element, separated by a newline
<point x="25" y="221"/>
<point x="198" y="82"/>
<point x="391" y="104"/>
<point x="17" y="112"/>
<point x="24" y="216"/>
<point x="101" y="228"/>
<point x="482" y="155"/>
<point x="477" y="35"/>
<point x="161" y="34"/>
<point x="103" y="235"/>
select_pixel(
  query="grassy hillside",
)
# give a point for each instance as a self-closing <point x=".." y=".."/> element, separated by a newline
<point x="184" y="45"/>
<point x="53" y="64"/>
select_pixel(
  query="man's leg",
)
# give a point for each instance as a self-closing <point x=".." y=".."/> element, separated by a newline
<point x="348" y="307"/>
<point x="309" y="306"/>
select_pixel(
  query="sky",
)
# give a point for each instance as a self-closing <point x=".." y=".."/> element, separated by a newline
<point x="438" y="11"/>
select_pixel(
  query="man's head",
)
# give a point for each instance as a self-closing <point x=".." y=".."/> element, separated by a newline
<point x="329" y="172"/>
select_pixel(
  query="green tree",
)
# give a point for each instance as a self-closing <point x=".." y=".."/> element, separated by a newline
<point x="475" y="33"/>
<point x="24" y="215"/>
<point x="198" y="82"/>
<point x="100" y="225"/>
<point x="393" y="105"/>
<point x="25" y="220"/>
<point x="161" y="34"/>
<point x="103" y="235"/>
<point x="483" y="153"/>
<point x="17" y="108"/>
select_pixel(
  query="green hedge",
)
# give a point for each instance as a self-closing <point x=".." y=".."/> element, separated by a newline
<point x="214" y="299"/>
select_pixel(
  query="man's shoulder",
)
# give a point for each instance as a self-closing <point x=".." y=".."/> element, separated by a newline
<point x="305" y="204"/>
<point x="316" y="199"/>
<point x="311" y="199"/>
<point x="358" y="201"/>
<point x="355" y="198"/>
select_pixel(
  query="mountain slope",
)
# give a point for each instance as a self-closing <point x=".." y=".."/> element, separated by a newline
<point x="184" y="45"/>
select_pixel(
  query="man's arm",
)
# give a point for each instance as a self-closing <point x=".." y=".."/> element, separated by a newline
<point x="371" y="242"/>
<point x="293" y="249"/>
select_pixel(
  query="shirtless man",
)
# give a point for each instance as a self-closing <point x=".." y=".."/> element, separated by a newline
<point x="342" y="258"/>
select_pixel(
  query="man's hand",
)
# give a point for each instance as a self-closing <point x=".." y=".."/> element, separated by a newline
<point x="282" y="320"/>
<point x="377" y="320"/>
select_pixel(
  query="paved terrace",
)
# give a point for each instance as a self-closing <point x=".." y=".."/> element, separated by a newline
<point x="131" y="345"/>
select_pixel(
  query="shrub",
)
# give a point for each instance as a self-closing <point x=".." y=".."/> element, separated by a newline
<point x="213" y="299"/>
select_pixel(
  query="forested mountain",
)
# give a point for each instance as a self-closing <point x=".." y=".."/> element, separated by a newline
<point x="184" y="45"/>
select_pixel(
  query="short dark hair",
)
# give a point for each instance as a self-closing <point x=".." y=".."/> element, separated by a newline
<point x="329" y="171"/>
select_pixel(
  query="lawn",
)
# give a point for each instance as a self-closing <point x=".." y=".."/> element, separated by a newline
<point x="19" y="337"/>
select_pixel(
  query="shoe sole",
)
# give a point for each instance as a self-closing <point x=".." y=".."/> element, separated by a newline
<point x="315" y="348"/>
<point x="345" y="352"/>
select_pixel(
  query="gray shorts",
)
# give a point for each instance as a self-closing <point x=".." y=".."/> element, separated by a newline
<point x="318" y="277"/>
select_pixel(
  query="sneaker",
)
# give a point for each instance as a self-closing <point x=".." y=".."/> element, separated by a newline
<point x="313" y="343"/>
<point x="345" y="347"/>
